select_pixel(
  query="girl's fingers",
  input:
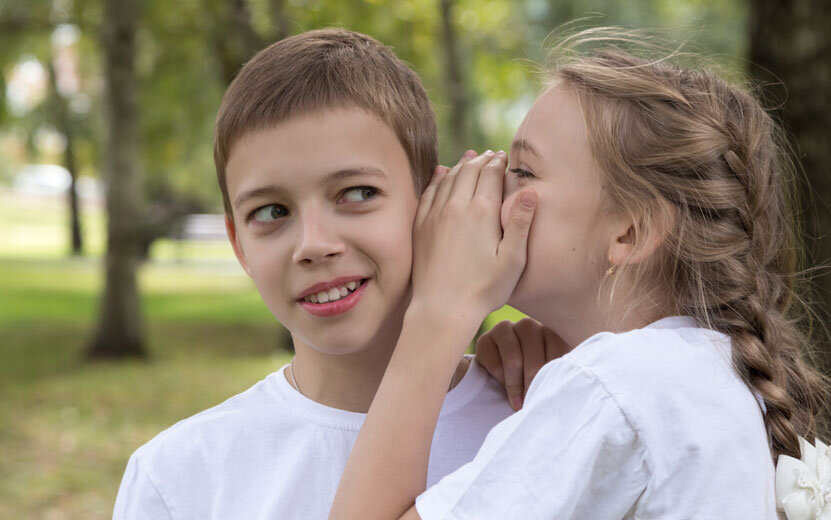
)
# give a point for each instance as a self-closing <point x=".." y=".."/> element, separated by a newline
<point x="461" y="173"/>
<point x="514" y="245"/>
<point x="510" y="351"/>
<point x="468" y="155"/>
<point x="468" y="177"/>
<point x="438" y="180"/>
<point x="530" y="334"/>
<point x="555" y="347"/>
<point x="492" y="179"/>
<point x="487" y="355"/>
<point x="425" y="202"/>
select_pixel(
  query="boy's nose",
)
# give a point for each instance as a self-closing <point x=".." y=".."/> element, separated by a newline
<point x="317" y="242"/>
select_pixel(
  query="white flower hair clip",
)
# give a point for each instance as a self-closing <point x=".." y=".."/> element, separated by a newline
<point x="803" y="486"/>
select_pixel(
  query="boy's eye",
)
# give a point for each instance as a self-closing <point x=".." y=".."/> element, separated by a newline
<point x="521" y="173"/>
<point x="269" y="213"/>
<point x="359" y="194"/>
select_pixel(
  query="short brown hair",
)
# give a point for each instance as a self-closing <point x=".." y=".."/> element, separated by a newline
<point x="323" y="69"/>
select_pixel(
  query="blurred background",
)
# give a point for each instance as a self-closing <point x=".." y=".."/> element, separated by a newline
<point x="106" y="115"/>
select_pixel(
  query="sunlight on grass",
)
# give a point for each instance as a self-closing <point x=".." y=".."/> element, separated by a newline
<point x="67" y="426"/>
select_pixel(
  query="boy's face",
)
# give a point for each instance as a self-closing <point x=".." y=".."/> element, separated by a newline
<point x="323" y="211"/>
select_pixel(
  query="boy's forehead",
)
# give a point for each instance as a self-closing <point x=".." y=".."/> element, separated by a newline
<point x="317" y="148"/>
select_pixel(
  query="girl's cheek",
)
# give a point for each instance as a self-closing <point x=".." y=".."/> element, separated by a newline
<point x="506" y="208"/>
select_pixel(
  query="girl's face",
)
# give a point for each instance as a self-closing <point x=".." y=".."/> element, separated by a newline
<point x="572" y="232"/>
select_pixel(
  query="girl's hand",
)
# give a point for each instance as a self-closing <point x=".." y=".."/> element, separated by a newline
<point x="513" y="353"/>
<point x="463" y="262"/>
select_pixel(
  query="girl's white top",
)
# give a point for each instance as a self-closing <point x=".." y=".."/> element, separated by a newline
<point x="652" y="423"/>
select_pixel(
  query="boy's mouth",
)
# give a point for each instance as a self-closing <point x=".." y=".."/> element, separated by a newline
<point x="335" y="293"/>
<point x="335" y="300"/>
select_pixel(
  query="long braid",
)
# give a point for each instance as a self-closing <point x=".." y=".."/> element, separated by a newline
<point x="767" y="346"/>
<point x="660" y="131"/>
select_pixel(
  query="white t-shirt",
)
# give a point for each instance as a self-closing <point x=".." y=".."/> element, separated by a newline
<point x="269" y="452"/>
<point x="650" y="424"/>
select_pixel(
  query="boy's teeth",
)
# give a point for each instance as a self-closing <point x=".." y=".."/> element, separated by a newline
<point x="333" y="294"/>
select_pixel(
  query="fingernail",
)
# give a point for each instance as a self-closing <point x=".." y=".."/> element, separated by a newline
<point x="488" y="152"/>
<point x="469" y="153"/>
<point x="528" y="199"/>
<point x="516" y="402"/>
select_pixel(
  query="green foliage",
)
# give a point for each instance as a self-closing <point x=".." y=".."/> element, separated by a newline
<point x="181" y="78"/>
<point x="67" y="427"/>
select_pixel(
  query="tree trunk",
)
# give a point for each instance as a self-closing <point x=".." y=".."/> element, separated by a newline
<point x="119" y="332"/>
<point x="278" y="19"/>
<point x="790" y="53"/>
<point x="234" y="37"/>
<point x="64" y="125"/>
<point x="455" y="86"/>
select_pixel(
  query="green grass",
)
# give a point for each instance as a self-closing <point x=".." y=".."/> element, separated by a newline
<point x="67" y="426"/>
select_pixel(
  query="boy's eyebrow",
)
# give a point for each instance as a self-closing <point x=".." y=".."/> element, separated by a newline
<point x="351" y="172"/>
<point x="522" y="144"/>
<point x="272" y="189"/>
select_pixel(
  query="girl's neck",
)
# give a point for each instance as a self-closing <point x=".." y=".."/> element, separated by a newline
<point x="576" y="323"/>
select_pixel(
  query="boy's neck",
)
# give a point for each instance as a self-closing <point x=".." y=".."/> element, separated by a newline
<point x="346" y="382"/>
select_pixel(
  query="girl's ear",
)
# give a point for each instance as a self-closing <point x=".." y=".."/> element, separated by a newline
<point x="642" y="234"/>
<point x="231" y="230"/>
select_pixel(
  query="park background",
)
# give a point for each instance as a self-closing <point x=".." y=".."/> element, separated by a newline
<point x="106" y="114"/>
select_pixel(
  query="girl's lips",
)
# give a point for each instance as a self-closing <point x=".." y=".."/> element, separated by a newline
<point x="334" y="308"/>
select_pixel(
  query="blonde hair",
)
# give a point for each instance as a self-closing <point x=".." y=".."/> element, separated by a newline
<point x="321" y="70"/>
<point x="683" y="149"/>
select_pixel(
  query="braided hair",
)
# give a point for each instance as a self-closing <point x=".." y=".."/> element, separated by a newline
<point x="669" y="136"/>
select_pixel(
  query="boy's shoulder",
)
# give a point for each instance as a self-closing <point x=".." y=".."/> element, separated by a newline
<point x="209" y="429"/>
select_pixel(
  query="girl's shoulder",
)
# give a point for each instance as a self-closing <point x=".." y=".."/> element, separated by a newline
<point x="667" y="345"/>
<point x="676" y="384"/>
<point x="666" y="367"/>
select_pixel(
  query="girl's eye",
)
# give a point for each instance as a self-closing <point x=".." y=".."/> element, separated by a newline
<point x="359" y="194"/>
<point x="269" y="213"/>
<point x="520" y="173"/>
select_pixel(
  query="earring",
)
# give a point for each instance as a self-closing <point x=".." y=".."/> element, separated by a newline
<point x="611" y="270"/>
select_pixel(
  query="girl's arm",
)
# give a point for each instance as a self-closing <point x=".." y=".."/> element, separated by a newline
<point x="463" y="268"/>
<point x="388" y="465"/>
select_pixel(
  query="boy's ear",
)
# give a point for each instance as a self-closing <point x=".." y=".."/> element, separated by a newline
<point x="231" y="230"/>
<point x="640" y="236"/>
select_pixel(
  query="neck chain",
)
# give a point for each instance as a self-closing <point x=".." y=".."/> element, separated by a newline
<point x="294" y="379"/>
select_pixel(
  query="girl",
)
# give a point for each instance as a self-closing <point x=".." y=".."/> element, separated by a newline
<point x="662" y="252"/>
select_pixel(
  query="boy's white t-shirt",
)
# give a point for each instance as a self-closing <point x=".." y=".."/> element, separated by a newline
<point x="649" y="424"/>
<point x="270" y="452"/>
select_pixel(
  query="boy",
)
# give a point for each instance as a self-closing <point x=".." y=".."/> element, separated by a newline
<point x="323" y="143"/>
